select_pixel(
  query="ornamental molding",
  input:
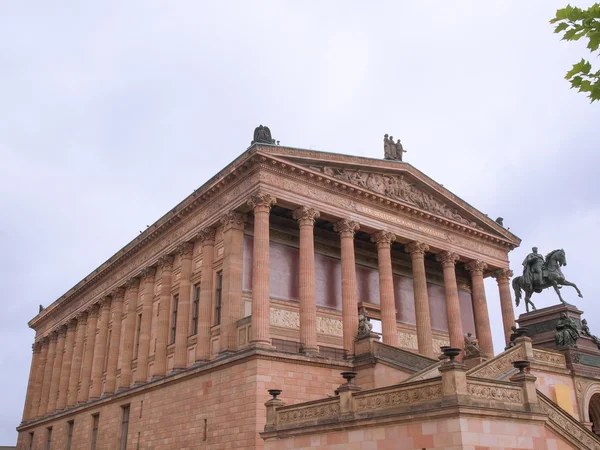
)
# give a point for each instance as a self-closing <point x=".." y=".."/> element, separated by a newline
<point x="500" y="365"/>
<point x="407" y="340"/>
<point x="490" y="391"/>
<point x="397" y="397"/>
<point x="548" y="357"/>
<point x="224" y="191"/>
<point x="298" y="415"/>
<point x="284" y="318"/>
<point x="329" y="326"/>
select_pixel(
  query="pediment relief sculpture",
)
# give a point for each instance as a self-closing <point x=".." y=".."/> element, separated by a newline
<point x="398" y="188"/>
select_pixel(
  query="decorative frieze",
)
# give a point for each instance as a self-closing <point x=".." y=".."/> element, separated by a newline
<point x="499" y="365"/>
<point x="284" y="318"/>
<point x="549" y="357"/>
<point x="407" y="340"/>
<point x="490" y="391"/>
<point x="296" y="416"/>
<point x="398" y="397"/>
<point x="330" y="326"/>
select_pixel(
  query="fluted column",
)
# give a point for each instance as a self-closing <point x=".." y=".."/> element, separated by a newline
<point x="88" y="354"/>
<point x="100" y="350"/>
<point x="129" y="334"/>
<point x="115" y="339"/>
<point x="44" y="343"/>
<point x="387" y="302"/>
<point x="346" y="229"/>
<point x="65" y="371"/>
<point x="503" y="277"/>
<point x="207" y="237"/>
<point x="261" y="205"/>
<point x="480" y="310"/>
<point x="455" y="329"/>
<point x="48" y="374"/>
<point x="162" y="335"/>
<point x="77" y="360"/>
<point x="56" y="369"/>
<point x="308" y="297"/>
<point x="231" y="293"/>
<point x="183" y="306"/>
<point x="423" y="315"/>
<point x="35" y="356"/>
<point x="141" y="373"/>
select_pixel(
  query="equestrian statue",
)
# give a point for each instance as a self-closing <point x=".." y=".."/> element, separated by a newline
<point x="540" y="273"/>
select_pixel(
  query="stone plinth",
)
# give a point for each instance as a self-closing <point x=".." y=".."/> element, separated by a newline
<point x="541" y="324"/>
<point x="365" y="345"/>
<point x="473" y="361"/>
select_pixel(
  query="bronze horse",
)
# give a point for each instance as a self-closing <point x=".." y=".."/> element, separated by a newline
<point x="552" y="276"/>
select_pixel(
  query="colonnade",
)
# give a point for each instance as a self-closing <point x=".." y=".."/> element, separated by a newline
<point x="79" y="361"/>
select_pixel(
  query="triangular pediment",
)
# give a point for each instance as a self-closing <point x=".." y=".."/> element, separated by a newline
<point x="398" y="181"/>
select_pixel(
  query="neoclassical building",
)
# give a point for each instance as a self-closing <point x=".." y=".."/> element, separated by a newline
<point x="256" y="281"/>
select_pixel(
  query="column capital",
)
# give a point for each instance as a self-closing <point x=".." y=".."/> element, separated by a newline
<point x="118" y="293"/>
<point x="476" y="267"/>
<point x="346" y="227"/>
<point x="503" y="275"/>
<point x="416" y="248"/>
<point x="133" y="283"/>
<point x="62" y="330"/>
<point x="148" y="273"/>
<point x="383" y="238"/>
<point x="233" y="219"/>
<point x="44" y="340"/>
<point x="185" y="249"/>
<point x="166" y="262"/>
<point x="306" y="216"/>
<point x="447" y="258"/>
<point x="93" y="311"/>
<point x="105" y="301"/>
<point x="81" y="315"/>
<point x="72" y="324"/>
<point x="53" y="336"/>
<point x="207" y="235"/>
<point x="261" y="202"/>
<point x="37" y="346"/>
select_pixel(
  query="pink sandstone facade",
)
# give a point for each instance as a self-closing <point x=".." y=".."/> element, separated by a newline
<point x="256" y="281"/>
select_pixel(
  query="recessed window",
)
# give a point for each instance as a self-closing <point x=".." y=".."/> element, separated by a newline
<point x="218" y="295"/>
<point x="70" y="425"/>
<point x="49" y="438"/>
<point x="95" y="423"/>
<point x="31" y="436"/>
<point x="124" y="426"/>
<point x="174" y="318"/>
<point x="137" y="337"/>
<point x="195" y="309"/>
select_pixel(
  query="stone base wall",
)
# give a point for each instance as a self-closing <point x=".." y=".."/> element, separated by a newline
<point x="448" y="433"/>
<point x="213" y="409"/>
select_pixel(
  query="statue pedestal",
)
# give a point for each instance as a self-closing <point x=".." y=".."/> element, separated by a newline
<point x="473" y="361"/>
<point x="541" y="324"/>
<point x="364" y="345"/>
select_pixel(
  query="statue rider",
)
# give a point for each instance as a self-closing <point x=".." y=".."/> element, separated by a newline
<point x="532" y="268"/>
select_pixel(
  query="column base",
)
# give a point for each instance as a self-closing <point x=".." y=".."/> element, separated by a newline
<point x="156" y="378"/>
<point x="310" y="351"/>
<point x="264" y="345"/>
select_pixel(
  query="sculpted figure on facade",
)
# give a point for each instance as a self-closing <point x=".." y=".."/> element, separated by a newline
<point x="398" y="188"/>
<point x="262" y="135"/>
<point x="566" y="332"/>
<point x="364" y="326"/>
<point x="472" y="348"/>
<point x="539" y="274"/>
<point x="585" y="331"/>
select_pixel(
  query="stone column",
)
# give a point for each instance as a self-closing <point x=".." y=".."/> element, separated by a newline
<point x="36" y="348"/>
<point x="48" y="374"/>
<point x="423" y="315"/>
<point x="128" y="334"/>
<point x="67" y="362"/>
<point x="162" y="335"/>
<point x="308" y="295"/>
<point x="207" y="237"/>
<point x="115" y="339"/>
<point x="261" y="299"/>
<point x="387" y="302"/>
<point x="44" y="343"/>
<point x="56" y="369"/>
<point x="77" y="360"/>
<point x="346" y="228"/>
<point x="503" y="277"/>
<point x="480" y="311"/>
<point x="231" y="294"/>
<point x="183" y="306"/>
<point x="88" y="355"/>
<point x="141" y="373"/>
<point x="100" y="350"/>
<point x="455" y="329"/>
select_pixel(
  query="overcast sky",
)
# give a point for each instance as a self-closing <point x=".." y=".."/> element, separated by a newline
<point x="113" y="112"/>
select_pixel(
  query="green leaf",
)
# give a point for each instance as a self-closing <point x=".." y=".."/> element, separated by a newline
<point x="576" y="82"/>
<point x="561" y="14"/>
<point x="569" y="34"/>
<point x="561" y="26"/>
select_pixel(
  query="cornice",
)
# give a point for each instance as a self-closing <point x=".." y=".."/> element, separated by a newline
<point x="337" y="185"/>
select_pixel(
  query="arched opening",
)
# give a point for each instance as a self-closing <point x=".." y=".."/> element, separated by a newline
<point x="594" y="413"/>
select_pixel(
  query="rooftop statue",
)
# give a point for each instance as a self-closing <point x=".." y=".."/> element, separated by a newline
<point x="262" y="135"/>
<point x="540" y="273"/>
<point x="392" y="150"/>
<point x="585" y="331"/>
